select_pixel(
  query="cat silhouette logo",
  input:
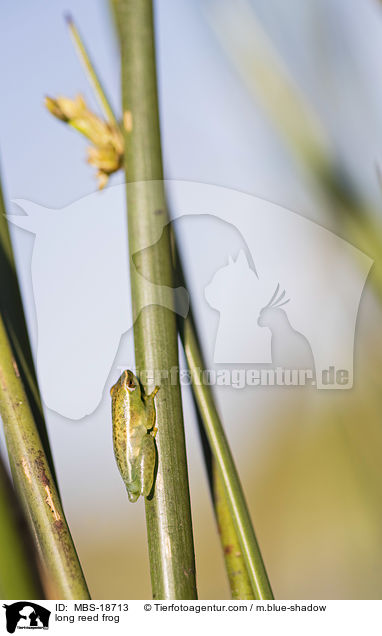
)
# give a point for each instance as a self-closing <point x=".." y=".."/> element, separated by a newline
<point x="245" y="257"/>
<point x="26" y="615"/>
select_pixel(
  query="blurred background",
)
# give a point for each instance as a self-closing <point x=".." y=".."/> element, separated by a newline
<point x="282" y="101"/>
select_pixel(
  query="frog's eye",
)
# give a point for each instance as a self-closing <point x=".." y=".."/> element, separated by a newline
<point x="129" y="382"/>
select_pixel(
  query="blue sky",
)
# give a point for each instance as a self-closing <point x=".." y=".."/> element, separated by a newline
<point x="212" y="130"/>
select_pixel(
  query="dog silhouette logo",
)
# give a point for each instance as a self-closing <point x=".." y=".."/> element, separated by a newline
<point x="26" y="615"/>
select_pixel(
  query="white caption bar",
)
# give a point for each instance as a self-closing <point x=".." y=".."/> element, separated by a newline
<point x="169" y="617"/>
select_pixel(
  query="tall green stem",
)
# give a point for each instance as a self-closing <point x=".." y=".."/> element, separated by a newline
<point x="12" y="311"/>
<point x="238" y="563"/>
<point x="34" y="480"/>
<point x="168" y="514"/>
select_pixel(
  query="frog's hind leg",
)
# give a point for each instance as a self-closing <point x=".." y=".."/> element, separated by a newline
<point x="147" y="464"/>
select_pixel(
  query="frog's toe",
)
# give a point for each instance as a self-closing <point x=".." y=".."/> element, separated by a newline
<point x="133" y="496"/>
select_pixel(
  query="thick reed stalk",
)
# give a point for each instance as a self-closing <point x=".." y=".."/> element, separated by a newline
<point x="233" y="554"/>
<point x="168" y="514"/>
<point x="19" y="574"/>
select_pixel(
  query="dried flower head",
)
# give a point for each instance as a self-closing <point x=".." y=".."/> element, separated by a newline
<point x="106" y="151"/>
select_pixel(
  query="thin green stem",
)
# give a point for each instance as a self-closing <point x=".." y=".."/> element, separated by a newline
<point x="168" y="513"/>
<point x="224" y="479"/>
<point x="34" y="480"/>
<point x="239" y="580"/>
<point x="19" y="574"/>
<point x="91" y="72"/>
<point x="12" y="310"/>
<point x="227" y="470"/>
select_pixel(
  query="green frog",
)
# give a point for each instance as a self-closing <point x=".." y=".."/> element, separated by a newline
<point x="134" y="430"/>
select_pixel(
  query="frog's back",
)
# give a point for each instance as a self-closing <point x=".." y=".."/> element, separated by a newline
<point x="134" y="446"/>
<point x="128" y="434"/>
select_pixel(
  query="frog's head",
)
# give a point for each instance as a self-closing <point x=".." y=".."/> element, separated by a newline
<point x="127" y="384"/>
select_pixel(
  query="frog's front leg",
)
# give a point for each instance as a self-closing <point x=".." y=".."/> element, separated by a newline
<point x="150" y="411"/>
<point x="147" y="464"/>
